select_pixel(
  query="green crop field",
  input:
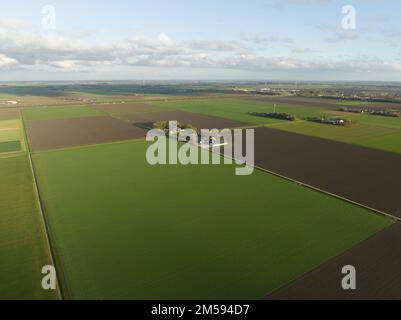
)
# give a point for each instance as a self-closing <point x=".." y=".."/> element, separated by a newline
<point x="47" y="113"/>
<point x="230" y="109"/>
<point x="240" y="110"/>
<point x="10" y="130"/>
<point x="125" y="229"/>
<point x="356" y="103"/>
<point x="381" y="121"/>
<point x="384" y="138"/>
<point x="10" y="146"/>
<point x="23" y="248"/>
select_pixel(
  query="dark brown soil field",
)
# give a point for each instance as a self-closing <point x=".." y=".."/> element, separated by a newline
<point x="198" y="120"/>
<point x="50" y="134"/>
<point x="378" y="273"/>
<point x="367" y="176"/>
<point x="127" y="107"/>
<point x="9" y="113"/>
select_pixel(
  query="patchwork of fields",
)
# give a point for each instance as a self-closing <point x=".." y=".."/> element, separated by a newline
<point x="369" y="131"/>
<point x="333" y="167"/>
<point x="11" y="136"/>
<point x="125" y="229"/>
<point x="377" y="261"/>
<point x="122" y="229"/>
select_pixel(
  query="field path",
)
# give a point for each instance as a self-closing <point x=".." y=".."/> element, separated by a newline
<point x="46" y="230"/>
<point x="378" y="273"/>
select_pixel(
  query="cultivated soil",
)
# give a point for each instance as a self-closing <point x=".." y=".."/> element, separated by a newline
<point x="9" y="113"/>
<point x="367" y="176"/>
<point x="61" y="133"/>
<point x="378" y="273"/>
<point x="198" y="120"/>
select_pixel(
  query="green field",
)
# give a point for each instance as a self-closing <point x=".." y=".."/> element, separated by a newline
<point x="125" y="229"/>
<point x="371" y="136"/>
<point x="10" y="130"/>
<point x="23" y="247"/>
<point x="10" y="146"/>
<point x="381" y="121"/>
<point x="230" y="109"/>
<point x="236" y="109"/>
<point x="355" y="103"/>
<point x="47" y="113"/>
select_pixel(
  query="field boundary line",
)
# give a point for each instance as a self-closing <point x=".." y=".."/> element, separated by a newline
<point x="289" y="284"/>
<point x="42" y="214"/>
<point x="330" y="194"/>
<point x="377" y="211"/>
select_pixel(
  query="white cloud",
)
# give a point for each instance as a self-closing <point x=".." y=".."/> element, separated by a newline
<point x="11" y="23"/>
<point x="21" y="48"/>
<point x="6" y="61"/>
<point x="165" y="40"/>
<point x="63" y="64"/>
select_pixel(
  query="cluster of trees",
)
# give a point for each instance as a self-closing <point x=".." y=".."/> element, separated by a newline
<point x="386" y="113"/>
<point x="276" y="115"/>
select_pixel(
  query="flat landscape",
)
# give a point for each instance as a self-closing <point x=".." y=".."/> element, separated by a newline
<point x="116" y="227"/>
<point x="111" y="213"/>
<point x="378" y="263"/>
<point x="127" y="108"/>
<point x="198" y="120"/>
<point x="7" y="114"/>
<point x="282" y="166"/>
<point x="69" y="132"/>
<point x="333" y="167"/>
<point x="23" y="246"/>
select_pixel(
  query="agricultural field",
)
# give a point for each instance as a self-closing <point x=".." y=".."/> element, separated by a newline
<point x="236" y="110"/>
<point x="23" y="246"/>
<point x="369" y="257"/>
<point x="11" y="136"/>
<point x="387" y="138"/>
<point x="48" y="113"/>
<point x="125" y="229"/>
<point x="200" y="121"/>
<point x="70" y="132"/>
<point x="117" y="109"/>
<point x="9" y="113"/>
<point x="240" y="109"/>
<point x="326" y="165"/>
<point x="370" y="104"/>
<point x="120" y="228"/>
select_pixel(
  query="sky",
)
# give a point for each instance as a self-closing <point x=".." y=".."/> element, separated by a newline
<point x="327" y="40"/>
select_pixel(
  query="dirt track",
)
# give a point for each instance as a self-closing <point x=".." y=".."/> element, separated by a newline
<point x="198" y="120"/>
<point x="367" y="176"/>
<point x="50" y="134"/>
<point x="378" y="272"/>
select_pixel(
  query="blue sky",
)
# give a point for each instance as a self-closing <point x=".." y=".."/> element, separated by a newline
<point x="205" y="40"/>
